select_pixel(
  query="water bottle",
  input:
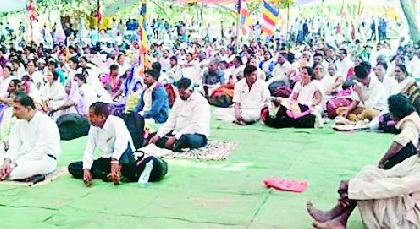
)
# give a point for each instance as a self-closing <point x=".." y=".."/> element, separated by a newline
<point x="144" y="177"/>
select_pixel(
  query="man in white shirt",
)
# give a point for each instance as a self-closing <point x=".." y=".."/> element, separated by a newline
<point x="369" y="97"/>
<point x="34" y="142"/>
<point x="282" y="70"/>
<point x="250" y="96"/>
<point x="35" y="75"/>
<point x="110" y="136"/>
<point x="191" y="69"/>
<point x="343" y="64"/>
<point x="18" y="69"/>
<point x="389" y="83"/>
<point x="188" y="125"/>
<point x="413" y="65"/>
<point x="164" y="62"/>
<point x="318" y="58"/>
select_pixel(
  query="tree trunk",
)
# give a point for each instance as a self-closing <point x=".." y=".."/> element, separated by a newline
<point x="409" y="12"/>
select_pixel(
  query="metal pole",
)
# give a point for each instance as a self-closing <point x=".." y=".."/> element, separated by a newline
<point x="288" y="23"/>
<point x="97" y="14"/>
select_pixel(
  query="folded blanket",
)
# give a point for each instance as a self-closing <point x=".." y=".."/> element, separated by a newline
<point x="215" y="150"/>
<point x="286" y="185"/>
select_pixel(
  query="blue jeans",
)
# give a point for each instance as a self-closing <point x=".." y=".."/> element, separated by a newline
<point x="192" y="141"/>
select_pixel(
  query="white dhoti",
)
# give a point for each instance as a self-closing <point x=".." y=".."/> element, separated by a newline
<point x="389" y="198"/>
<point x="27" y="166"/>
<point x="251" y="115"/>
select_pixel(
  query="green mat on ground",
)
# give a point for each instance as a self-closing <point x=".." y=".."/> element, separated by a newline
<point x="225" y="194"/>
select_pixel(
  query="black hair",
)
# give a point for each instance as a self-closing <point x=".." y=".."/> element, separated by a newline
<point x="367" y="66"/>
<point x="174" y="58"/>
<point x="15" y="61"/>
<point x="318" y="54"/>
<point x="403" y="68"/>
<point x="53" y="63"/>
<point x="383" y="64"/>
<point x="183" y="83"/>
<point x="113" y="67"/>
<point x="24" y="100"/>
<point x="223" y="62"/>
<point x="239" y="59"/>
<point x="8" y="67"/>
<point x="400" y="106"/>
<point x="56" y="75"/>
<point x="310" y="71"/>
<point x="361" y="72"/>
<point x="26" y="78"/>
<point x="74" y="60"/>
<point x="157" y="67"/>
<point x="15" y="81"/>
<point x="344" y="51"/>
<point x="250" y="58"/>
<point x="249" y="69"/>
<point x="84" y="58"/>
<point x="119" y="55"/>
<point x="271" y="55"/>
<point x="31" y="60"/>
<point x="152" y="72"/>
<point x="100" y="108"/>
<point x="81" y="77"/>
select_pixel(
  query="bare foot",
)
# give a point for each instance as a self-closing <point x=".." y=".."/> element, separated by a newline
<point x="316" y="214"/>
<point x="332" y="224"/>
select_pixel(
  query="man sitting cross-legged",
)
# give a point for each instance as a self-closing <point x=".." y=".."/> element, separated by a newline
<point x="188" y="125"/>
<point x="153" y="102"/>
<point x="34" y="144"/>
<point x="110" y="135"/>
<point x="369" y="96"/>
<point x="250" y="96"/>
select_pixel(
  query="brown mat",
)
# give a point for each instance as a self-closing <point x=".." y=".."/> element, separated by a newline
<point x="214" y="151"/>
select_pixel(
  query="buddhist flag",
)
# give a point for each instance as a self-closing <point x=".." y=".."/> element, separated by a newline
<point x="245" y="17"/>
<point x="31" y="8"/>
<point x="143" y="29"/>
<point x="99" y="12"/>
<point x="143" y="38"/>
<point x="270" y="15"/>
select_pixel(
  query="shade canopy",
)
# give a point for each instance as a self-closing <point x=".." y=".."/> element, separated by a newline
<point x="12" y="5"/>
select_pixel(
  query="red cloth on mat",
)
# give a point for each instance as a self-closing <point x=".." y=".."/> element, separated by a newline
<point x="286" y="185"/>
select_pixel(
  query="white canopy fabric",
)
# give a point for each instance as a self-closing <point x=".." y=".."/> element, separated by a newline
<point x="12" y="5"/>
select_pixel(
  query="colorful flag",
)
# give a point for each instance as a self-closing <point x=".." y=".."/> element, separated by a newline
<point x="143" y="28"/>
<point x="245" y="17"/>
<point x="143" y="61"/>
<point x="31" y="8"/>
<point x="270" y="15"/>
<point x="99" y="12"/>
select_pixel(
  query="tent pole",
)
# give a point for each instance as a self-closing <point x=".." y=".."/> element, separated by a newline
<point x="238" y="21"/>
<point x="288" y="22"/>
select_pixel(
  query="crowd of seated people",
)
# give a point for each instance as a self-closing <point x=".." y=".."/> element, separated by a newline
<point x="108" y="96"/>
